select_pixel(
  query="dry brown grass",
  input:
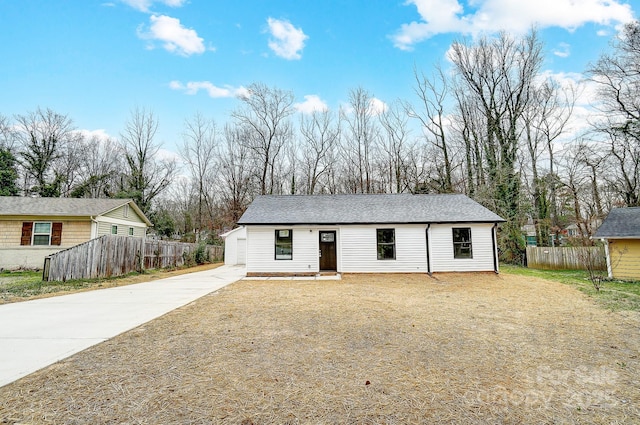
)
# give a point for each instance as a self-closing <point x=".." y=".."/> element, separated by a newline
<point x="461" y="348"/>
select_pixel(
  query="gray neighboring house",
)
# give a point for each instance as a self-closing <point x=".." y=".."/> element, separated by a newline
<point x="621" y="233"/>
<point x="394" y="233"/>
<point x="33" y="228"/>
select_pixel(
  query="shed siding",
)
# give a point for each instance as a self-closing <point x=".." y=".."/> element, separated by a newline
<point x="625" y="258"/>
<point x="441" y="248"/>
<point x="119" y="214"/>
<point x="358" y="249"/>
<point x="261" y="251"/>
<point x="232" y="247"/>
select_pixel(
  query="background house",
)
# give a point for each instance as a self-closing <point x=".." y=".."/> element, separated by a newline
<point x="621" y="232"/>
<point x="33" y="228"/>
<point x="369" y="233"/>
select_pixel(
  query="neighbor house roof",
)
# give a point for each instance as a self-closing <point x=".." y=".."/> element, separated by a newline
<point x="620" y="223"/>
<point x="366" y="209"/>
<point x="63" y="207"/>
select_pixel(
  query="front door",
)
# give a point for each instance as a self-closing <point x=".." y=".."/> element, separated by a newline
<point x="328" y="251"/>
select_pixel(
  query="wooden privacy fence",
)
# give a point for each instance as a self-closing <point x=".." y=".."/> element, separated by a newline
<point x="566" y="258"/>
<point x="111" y="255"/>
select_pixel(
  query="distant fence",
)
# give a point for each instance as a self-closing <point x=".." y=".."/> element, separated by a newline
<point x="111" y="255"/>
<point x="566" y="258"/>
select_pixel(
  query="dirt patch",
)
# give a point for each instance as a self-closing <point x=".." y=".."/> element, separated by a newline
<point x="459" y="348"/>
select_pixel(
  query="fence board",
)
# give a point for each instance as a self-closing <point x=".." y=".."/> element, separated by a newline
<point x="566" y="258"/>
<point x="112" y="255"/>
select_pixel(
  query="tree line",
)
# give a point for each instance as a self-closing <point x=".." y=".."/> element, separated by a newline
<point x="492" y="126"/>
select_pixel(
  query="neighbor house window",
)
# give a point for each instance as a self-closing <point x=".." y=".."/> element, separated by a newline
<point x="130" y="231"/>
<point x="114" y="229"/>
<point x="284" y="244"/>
<point x="34" y="233"/>
<point x="41" y="233"/>
<point x="462" y="242"/>
<point x="386" y="239"/>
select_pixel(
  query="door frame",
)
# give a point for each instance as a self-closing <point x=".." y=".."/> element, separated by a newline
<point x="335" y="250"/>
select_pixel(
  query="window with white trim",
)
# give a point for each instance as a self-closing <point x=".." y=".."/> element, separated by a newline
<point x="41" y="233"/>
<point x="130" y="231"/>
<point x="114" y="229"/>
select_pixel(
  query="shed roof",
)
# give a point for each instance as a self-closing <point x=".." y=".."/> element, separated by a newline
<point x="366" y="209"/>
<point x="63" y="207"/>
<point x="620" y="223"/>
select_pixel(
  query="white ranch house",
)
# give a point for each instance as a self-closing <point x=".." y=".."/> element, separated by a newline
<point x="399" y="233"/>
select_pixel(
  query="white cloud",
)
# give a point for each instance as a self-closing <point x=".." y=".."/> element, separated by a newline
<point x="176" y="38"/>
<point x="193" y="87"/>
<point x="286" y="40"/>
<point x="99" y="134"/>
<point x="145" y="5"/>
<point x="450" y="16"/>
<point x="377" y="106"/>
<point x="563" y="50"/>
<point x="312" y="103"/>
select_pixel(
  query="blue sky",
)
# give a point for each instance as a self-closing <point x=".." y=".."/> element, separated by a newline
<point x="98" y="60"/>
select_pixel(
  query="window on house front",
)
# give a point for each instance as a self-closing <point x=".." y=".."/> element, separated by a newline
<point x="462" y="242"/>
<point x="114" y="229"/>
<point x="386" y="239"/>
<point x="41" y="233"/>
<point x="284" y="244"/>
<point x="130" y="231"/>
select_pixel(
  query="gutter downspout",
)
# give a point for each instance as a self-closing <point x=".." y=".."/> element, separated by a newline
<point x="428" y="256"/>
<point x="94" y="227"/>
<point x="607" y="255"/>
<point x="495" y="248"/>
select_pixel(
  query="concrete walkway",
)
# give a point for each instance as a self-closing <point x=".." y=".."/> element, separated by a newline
<point x="35" y="334"/>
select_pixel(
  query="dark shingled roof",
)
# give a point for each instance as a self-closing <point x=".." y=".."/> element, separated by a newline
<point x="363" y="209"/>
<point x="620" y="223"/>
<point x="61" y="207"/>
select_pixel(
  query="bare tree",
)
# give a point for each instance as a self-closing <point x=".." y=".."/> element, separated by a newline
<point x="235" y="171"/>
<point x="544" y="121"/>
<point x="396" y="147"/>
<point x="499" y="75"/>
<point x="617" y="76"/>
<point x="200" y="139"/>
<point x="320" y="135"/>
<point x="267" y="128"/>
<point x="100" y="166"/>
<point x="432" y="94"/>
<point x="359" y="143"/>
<point x="147" y="175"/>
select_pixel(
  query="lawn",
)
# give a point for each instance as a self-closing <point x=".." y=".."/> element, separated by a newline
<point x="457" y="348"/>
<point x="613" y="294"/>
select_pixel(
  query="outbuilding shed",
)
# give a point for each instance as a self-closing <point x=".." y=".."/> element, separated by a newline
<point x="621" y="233"/>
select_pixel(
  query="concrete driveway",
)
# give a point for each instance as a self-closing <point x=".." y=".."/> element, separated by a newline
<point x="35" y="334"/>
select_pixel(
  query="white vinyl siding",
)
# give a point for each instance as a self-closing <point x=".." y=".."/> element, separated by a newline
<point x="235" y="246"/>
<point x="261" y="251"/>
<point x="358" y="249"/>
<point x="441" y="249"/>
